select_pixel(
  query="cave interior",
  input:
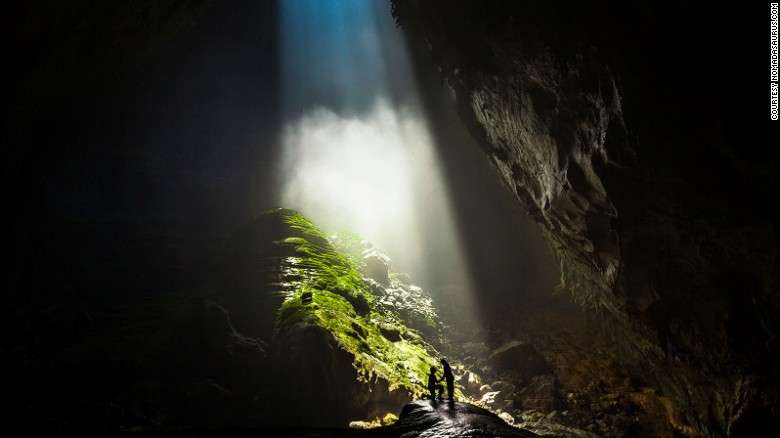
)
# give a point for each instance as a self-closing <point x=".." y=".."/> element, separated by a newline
<point x="278" y="215"/>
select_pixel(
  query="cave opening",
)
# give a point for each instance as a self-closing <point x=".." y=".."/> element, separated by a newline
<point x="372" y="145"/>
<point x="389" y="137"/>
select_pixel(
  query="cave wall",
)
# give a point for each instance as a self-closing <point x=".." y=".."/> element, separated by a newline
<point x="647" y="184"/>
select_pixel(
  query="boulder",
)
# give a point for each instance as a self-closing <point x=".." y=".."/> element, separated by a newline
<point x="450" y="419"/>
<point x="376" y="268"/>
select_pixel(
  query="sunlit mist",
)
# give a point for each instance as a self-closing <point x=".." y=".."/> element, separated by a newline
<point x="361" y="172"/>
<point x="357" y="152"/>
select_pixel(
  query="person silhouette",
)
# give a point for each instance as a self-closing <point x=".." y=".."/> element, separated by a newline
<point x="449" y="378"/>
<point x="433" y="385"/>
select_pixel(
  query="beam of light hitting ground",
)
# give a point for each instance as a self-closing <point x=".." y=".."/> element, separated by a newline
<point x="357" y="153"/>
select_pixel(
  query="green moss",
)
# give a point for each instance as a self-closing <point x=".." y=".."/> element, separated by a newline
<point x="349" y="244"/>
<point x="341" y="303"/>
<point x="404" y="364"/>
<point x="299" y="222"/>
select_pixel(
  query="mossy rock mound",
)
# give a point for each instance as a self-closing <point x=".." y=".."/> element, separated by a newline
<point x="338" y="342"/>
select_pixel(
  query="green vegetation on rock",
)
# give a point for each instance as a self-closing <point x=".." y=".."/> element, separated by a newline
<point x="330" y="292"/>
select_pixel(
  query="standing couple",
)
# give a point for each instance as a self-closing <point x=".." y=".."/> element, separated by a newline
<point x="434" y="385"/>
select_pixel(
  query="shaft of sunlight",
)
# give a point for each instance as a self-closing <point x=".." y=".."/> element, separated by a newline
<point x="357" y="152"/>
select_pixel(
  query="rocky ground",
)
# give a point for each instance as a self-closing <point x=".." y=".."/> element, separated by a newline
<point x="553" y="372"/>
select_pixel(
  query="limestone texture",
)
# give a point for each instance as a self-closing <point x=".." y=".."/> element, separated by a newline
<point x="648" y="189"/>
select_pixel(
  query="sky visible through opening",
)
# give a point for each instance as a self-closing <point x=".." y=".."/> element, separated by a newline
<point x="357" y="152"/>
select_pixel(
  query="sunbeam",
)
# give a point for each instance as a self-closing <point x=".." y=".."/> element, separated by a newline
<point x="357" y="151"/>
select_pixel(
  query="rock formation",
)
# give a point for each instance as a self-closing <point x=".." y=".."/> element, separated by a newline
<point x="648" y="190"/>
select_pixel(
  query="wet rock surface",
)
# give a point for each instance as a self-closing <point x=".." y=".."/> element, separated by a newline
<point x="422" y="418"/>
<point x="431" y="418"/>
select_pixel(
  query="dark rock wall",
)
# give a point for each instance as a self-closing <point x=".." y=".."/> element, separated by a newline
<point x="647" y="175"/>
<point x="65" y="64"/>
